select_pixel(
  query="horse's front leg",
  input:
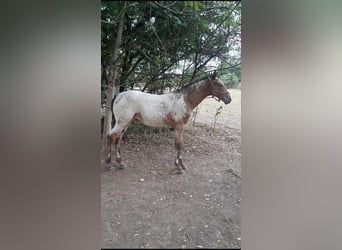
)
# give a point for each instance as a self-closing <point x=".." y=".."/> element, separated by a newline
<point x="179" y="145"/>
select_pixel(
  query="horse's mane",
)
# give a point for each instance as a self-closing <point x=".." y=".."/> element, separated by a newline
<point x="191" y="83"/>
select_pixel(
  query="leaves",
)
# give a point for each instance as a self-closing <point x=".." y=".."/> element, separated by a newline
<point x="196" y="5"/>
<point x="218" y="110"/>
<point x="180" y="42"/>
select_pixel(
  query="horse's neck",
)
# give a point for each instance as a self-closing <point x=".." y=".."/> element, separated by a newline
<point x="196" y="96"/>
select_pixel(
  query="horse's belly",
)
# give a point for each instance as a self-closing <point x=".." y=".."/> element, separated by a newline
<point x="158" y="111"/>
<point x="153" y="120"/>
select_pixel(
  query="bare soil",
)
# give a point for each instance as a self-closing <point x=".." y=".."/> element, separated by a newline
<point x="147" y="205"/>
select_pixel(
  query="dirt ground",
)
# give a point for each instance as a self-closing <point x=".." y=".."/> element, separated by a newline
<point x="147" y="205"/>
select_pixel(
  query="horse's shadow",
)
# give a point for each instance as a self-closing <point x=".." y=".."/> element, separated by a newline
<point x="105" y="167"/>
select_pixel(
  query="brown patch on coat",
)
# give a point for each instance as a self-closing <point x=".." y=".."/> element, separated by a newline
<point x="193" y="97"/>
<point x="137" y="117"/>
<point x="186" y="118"/>
<point x="109" y="139"/>
<point x="169" y="121"/>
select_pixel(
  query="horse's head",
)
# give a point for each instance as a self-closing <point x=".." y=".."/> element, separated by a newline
<point x="218" y="89"/>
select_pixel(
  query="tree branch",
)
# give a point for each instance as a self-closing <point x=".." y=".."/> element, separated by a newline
<point x="168" y="9"/>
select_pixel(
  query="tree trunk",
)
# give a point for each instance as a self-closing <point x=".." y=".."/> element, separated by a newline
<point x="111" y="83"/>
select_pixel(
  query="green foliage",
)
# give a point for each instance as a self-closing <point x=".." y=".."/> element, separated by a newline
<point x="218" y="112"/>
<point x="196" y="5"/>
<point x="167" y="43"/>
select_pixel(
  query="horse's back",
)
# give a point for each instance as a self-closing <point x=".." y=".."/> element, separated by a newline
<point x="136" y="98"/>
<point x="152" y="108"/>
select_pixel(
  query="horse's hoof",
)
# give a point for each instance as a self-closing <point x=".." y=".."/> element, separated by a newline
<point x="178" y="171"/>
<point x="122" y="166"/>
<point x="183" y="166"/>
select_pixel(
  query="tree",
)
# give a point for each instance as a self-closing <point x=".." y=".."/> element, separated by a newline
<point x="112" y="77"/>
<point x="167" y="43"/>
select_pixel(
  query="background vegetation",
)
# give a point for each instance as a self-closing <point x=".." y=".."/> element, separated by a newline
<point x="158" y="46"/>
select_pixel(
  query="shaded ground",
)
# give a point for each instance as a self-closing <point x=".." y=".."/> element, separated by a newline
<point x="148" y="206"/>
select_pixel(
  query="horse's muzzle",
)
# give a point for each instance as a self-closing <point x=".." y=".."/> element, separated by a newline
<point x="227" y="99"/>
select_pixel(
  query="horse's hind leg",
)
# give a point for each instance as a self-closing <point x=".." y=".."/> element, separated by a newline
<point x="110" y="139"/>
<point x="115" y="137"/>
<point x="118" y="151"/>
<point x="123" y="118"/>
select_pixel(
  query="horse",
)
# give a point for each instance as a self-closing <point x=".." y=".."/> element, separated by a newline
<point x="171" y="109"/>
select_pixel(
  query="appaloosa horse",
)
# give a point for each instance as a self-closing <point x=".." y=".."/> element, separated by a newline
<point x="173" y="109"/>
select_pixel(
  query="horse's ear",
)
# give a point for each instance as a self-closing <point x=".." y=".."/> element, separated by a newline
<point x="215" y="75"/>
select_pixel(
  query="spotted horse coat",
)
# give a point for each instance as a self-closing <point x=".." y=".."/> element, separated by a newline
<point x="172" y="109"/>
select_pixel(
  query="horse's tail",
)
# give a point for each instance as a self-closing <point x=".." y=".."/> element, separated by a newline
<point x="111" y="107"/>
